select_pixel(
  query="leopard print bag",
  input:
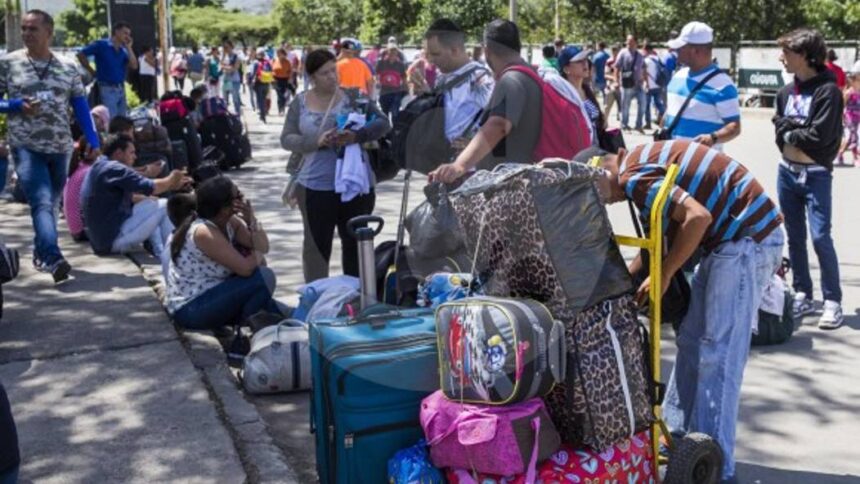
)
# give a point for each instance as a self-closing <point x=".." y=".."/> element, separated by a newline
<point x="542" y="234"/>
<point x="607" y="394"/>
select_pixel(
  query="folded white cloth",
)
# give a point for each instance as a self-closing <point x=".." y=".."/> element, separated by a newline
<point x="351" y="177"/>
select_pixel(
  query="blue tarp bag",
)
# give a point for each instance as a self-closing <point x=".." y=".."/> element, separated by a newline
<point x="412" y="466"/>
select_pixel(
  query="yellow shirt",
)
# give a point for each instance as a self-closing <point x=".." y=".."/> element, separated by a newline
<point x="353" y="73"/>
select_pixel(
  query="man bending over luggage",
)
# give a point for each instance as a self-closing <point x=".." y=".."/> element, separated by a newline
<point x="716" y="204"/>
<point x="118" y="205"/>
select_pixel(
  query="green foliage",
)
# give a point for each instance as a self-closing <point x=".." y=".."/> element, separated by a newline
<point x="471" y="15"/>
<point x="317" y="21"/>
<point x="131" y="97"/>
<point x="86" y="22"/>
<point x="209" y="25"/>
<point x="383" y="18"/>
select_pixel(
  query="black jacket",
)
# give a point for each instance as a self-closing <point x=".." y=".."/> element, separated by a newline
<point x="9" y="458"/>
<point x="817" y="133"/>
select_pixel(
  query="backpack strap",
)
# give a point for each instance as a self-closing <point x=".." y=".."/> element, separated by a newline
<point x="456" y="81"/>
<point x="690" y="96"/>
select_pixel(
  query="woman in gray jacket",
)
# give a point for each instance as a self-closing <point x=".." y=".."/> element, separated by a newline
<point x="311" y="129"/>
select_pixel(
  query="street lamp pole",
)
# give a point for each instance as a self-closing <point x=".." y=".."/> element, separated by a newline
<point x="513" y="10"/>
<point x="557" y="21"/>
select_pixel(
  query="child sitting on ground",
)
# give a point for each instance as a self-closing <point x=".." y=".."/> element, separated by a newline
<point x="79" y="166"/>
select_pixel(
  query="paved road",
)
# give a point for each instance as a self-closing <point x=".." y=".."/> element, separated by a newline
<point x="101" y="388"/>
<point x="800" y="400"/>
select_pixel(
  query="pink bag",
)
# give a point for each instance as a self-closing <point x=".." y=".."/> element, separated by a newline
<point x="629" y="461"/>
<point x="493" y="440"/>
<point x="564" y="130"/>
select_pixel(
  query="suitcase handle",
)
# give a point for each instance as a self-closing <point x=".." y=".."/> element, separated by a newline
<point x="352" y="227"/>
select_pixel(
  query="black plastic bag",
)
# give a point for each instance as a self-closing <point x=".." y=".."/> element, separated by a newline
<point x="433" y="227"/>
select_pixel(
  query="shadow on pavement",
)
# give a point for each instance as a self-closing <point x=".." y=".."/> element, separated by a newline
<point x="756" y="474"/>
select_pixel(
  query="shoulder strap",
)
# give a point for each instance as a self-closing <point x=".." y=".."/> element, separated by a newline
<point x="456" y="81"/>
<point x="690" y="96"/>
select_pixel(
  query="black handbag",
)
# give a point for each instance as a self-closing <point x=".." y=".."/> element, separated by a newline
<point x="676" y="300"/>
<point x="611" y="140"/>
<point x="664" y="134"/>
<point x="381" y="159"/>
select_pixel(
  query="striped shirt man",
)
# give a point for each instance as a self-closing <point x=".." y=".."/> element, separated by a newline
<point x="737" y="202"/>
<point x="712" y="107"/>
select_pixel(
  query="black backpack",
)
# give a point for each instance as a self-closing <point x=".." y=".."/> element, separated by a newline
<point x="418" y="140"/>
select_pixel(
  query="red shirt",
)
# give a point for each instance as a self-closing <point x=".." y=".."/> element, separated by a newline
<point x="840" y="74"/>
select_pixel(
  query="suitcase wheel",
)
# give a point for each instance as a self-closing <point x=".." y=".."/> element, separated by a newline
<point x="694" y="459"/>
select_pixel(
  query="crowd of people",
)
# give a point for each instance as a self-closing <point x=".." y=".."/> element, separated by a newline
<point x="497" y="108"/>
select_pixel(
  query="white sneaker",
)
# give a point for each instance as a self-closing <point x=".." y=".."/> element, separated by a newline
<point x="831" y="317"/>
<point x="802" y="305"/>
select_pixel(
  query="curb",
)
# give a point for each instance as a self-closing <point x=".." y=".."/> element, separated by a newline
<point x="262" y="460"/>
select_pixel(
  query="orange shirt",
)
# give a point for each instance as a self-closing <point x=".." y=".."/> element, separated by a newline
<point x="353" y="73"/>
<point x="282" y="70"/>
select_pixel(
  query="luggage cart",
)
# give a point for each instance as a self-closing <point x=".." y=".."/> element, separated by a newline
<point x="695" y="458"/>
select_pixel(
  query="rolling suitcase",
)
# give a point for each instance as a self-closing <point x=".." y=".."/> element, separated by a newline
<point x="370" y="374"/>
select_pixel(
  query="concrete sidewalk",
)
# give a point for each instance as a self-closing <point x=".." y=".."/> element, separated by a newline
<point x="101" y="385"/>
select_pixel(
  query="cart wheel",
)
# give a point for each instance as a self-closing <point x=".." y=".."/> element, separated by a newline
<point x="695" y="459"/>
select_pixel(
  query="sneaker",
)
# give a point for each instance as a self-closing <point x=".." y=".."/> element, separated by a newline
<point x="40" y="266"/>
<point x="831" y="317"/>
<point x="60" y="270"/>
<point x="802" y="305"/>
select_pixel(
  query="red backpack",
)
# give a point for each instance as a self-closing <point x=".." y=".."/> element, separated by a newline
<point x="564" y="129"/>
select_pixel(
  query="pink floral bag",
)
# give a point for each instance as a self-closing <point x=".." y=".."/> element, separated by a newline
<point x="488" y="439"/>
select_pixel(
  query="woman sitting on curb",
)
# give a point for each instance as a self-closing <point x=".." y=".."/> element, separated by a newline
<point x="215" y="277"/>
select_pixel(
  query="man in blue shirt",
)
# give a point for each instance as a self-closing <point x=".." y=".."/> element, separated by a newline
<point x="713" y="116"/>
<point x="196" y="67"/>
<point x="599" y="63"/>
<point x="113" y="57"/>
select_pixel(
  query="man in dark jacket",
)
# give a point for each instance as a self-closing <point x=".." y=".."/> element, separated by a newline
<point x="808" y="133"/>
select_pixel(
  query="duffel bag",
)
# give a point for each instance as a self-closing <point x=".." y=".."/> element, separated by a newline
<point x="279" y="360"/>
<point x="507" y="440"/>
<point x="608" y="392"/>
<point x="498" y="351"/>
<point x="541" y="233"/>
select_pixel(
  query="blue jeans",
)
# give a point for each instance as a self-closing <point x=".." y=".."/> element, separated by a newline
<point x="43" y="176"/>
<point x="655" y="96"/>
<point x="703" y="394"/>
<point x="4" y="169"/>
<point x="390" y="103"/>
<point x="797" y="198"/>
<point x="627" y="96"/>
<point x="230" y="302"/>
<point x="113" y="98"/>
<point x="148" y="221"/>
<point x="233" y="89"/>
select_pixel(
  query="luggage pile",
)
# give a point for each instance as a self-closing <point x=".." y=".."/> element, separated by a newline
<point x="542" y="378"/>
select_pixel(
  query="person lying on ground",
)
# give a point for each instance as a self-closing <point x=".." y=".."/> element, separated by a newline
<point x="119" y="207"/>
<point x="215" y="275"/>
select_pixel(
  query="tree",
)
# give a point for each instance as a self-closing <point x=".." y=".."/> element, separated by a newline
<point x="383" y="18"/>
<point x="210" y="25"/>
<point x="86" y="22"/>
<point x="470" y="15"/>
<point x="317" y="21"/>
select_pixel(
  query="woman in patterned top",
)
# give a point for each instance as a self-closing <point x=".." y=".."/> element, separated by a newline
<point x="215" y="275"/>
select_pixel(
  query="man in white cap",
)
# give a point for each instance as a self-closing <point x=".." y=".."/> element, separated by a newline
<point x="712" y="116"/>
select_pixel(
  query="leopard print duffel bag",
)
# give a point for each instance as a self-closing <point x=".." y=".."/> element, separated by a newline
<point x="607" y="395"/>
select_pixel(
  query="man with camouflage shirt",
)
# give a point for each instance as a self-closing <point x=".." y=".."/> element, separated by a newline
<point x="39" y="88"/>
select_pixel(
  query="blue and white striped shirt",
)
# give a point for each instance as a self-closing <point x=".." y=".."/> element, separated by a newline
<point x="712" y="107"/>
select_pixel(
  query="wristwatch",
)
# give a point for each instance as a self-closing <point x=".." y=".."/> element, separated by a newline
<point x="714" y="138"/>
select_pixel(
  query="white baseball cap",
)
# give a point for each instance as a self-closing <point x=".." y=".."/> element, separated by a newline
<point x="696" y="33"/>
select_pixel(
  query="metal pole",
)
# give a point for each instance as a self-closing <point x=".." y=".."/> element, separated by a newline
<point x="513" y="10"/>
<point x="170" y="23"/>
<point x="557" y="21"/>
<point x="162" y="42"/>
<point x="109" y="8"/>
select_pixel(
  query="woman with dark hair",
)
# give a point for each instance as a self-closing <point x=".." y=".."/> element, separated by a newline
<point x="215" y="274"/>
<point x="575" y="67"/>
<point x="311" y="129"/>
<point x="808" y="126"/>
